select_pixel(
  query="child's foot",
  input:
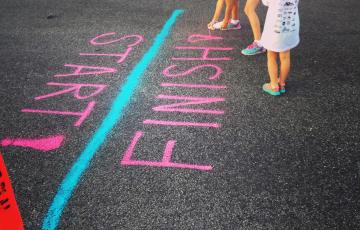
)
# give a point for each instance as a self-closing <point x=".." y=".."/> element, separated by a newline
<point x="274" y="91"/>
<point x="232" y="25"/>
<point x="217" y="26"/>
<point x="253" y="49"/>
<point x="211" y="25"/>
<point x="282" y="88"/>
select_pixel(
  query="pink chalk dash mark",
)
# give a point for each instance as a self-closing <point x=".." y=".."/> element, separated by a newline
<point x="188" y="101"/>
<point x="205" y="54"/>
<point x="166" y="160"/>
<point x="181" y="123"/>
<point x="202" y="37"/>
<point x="192" y="86"/>
<point x="75" y="88"/>
<point x="43" y="144"/>
<point x="82" y="115"/>
<point x="122" y="56"/>
<point x="95" y="42"/>
<point x="94" y="70"/>
<point x="217" y="74"/>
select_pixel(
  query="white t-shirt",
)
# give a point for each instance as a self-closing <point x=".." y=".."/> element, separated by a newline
<point x="282" y="24"/>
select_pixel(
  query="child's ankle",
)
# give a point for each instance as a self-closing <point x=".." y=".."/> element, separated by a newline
<point x="274" y="86"/>
<point x="224" y="24"/>
<point x="226" y="21"/>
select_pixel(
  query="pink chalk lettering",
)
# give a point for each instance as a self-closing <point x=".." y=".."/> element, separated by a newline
<point x="43" y="144"/>
<point x="82" y="115"/>
<point x="75" y="88"/>
<point x="166" y="160"/>
<point x="202" y="37"/>
<point x="181" y="123"/>
<point x="96" y="70"/>
<point x="122" y="56"/>
<point x="217" y="74"/>
<point x="205" y="54"/>
<point x="168" y="151"/>
<point x="193" y="86"/>
<point x="191" y="101"/>
<point x="95" y="42"/>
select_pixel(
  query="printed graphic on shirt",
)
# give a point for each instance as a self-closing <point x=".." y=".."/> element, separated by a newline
<point x="286" y="16"/>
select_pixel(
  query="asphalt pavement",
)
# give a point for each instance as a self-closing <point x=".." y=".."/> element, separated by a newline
<point x="148" y="136"/>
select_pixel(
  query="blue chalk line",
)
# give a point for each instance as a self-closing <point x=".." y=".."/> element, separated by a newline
<point x="72" y="179"/>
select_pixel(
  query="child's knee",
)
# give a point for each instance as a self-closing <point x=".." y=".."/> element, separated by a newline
<point x="247" y="10"/>
<point x="250" y="7"/>
<point x="272" y="55"/>
<point x="284" y="56"/>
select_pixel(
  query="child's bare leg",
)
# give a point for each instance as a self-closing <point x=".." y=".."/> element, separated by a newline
<point x="235" y="11"/>
<point x="273" y="68"/>
<point x="219" y="7"/>
<point x="228" y="12"/>
<point x="217" y="13"/>
<point x="285" y="63"/>
<point x="249" y="10"/>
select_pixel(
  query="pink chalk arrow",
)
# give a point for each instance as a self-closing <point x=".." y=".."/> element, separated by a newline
<point x="42" y="144"/>
<point x="201" y="37"/>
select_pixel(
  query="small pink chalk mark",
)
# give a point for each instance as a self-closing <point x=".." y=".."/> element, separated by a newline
<point x="217" y="74"/>
<point x="122" y="56"/>
<point x="189" y="101"/>
<point x="181" y="123"/>
<point x="73" y="87"/>
<point x="95" y="41"/>
<point x="205" y="55"/>
<point x="166" y="160"/>
<point x="193" y="86"/>
<point x="94" y="70"/>
<point x="82" y="115"/>
<point x="202" y="37"/>
<point x="43" y="144"/>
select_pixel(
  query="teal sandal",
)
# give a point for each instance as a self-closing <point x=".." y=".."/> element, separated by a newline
<point x="282" y="88"/>
<point x="269" y="90"/>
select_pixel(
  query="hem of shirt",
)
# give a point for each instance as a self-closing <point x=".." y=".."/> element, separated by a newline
<point x="282" y="49"/>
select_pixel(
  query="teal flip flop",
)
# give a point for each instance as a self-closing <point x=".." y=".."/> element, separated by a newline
<point x="267" y="89"/>
<point x="282" y="88"/>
